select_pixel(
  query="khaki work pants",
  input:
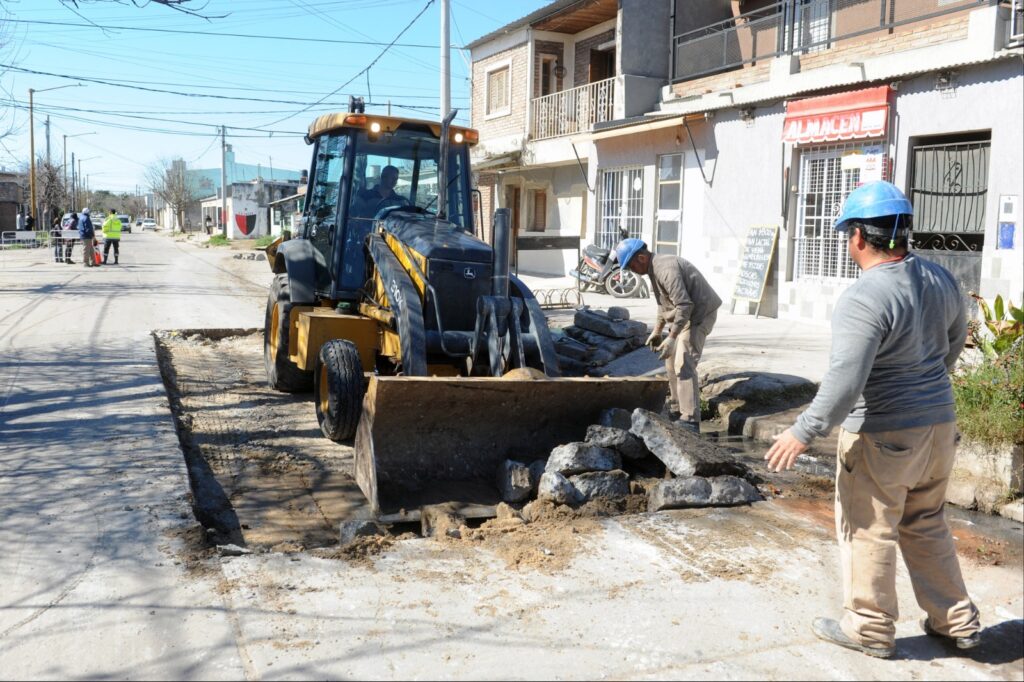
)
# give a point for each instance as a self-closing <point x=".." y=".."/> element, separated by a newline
<point x="890" y="489"/>
<point x="87" y="251"/>
<point x="683" y="382"/>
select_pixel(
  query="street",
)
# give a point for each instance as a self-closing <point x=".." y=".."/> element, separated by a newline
<point x="105" y="573"/>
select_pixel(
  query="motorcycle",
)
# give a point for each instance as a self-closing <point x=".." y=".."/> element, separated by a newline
<point x="598" y="270"/>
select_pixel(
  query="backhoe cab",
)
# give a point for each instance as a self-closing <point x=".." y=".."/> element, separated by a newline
<point x="388" y="293"/>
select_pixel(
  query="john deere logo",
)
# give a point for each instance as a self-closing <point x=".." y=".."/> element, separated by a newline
<point x="469" y="273"/>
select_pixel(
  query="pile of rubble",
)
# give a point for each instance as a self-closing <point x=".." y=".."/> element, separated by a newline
<point x="702" y="473"/>
<point x="596" y="338"/>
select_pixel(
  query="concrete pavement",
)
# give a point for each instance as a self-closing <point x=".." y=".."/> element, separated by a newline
<point x="102" y="578"/>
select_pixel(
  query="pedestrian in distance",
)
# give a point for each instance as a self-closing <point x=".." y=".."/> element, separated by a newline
<point x="896" y="334"/>
<point x="30" y="222"/>
<point x="19" y="223"/>
<point x="87" y="234"/>
<point x="689" y="306"/>
<point x="112" y="236"/>
<point x="69" y="245"/>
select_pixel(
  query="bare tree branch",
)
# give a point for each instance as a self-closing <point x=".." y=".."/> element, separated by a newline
<point x="169" y="181"/>
<point x="192" y="7"/>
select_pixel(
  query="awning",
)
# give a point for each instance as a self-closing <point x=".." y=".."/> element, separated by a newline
<point x="639" y="127"/>
<point x="843" y="116"/>
<point x="510" y="160"/>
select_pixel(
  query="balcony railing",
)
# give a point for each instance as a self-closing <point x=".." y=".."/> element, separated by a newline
<point x="1016" y="23"/>
<point x="797" y="26"/>
<point x="573" y="111"/>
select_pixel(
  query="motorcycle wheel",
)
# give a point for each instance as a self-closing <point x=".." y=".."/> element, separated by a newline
<point x="622" y="283"/>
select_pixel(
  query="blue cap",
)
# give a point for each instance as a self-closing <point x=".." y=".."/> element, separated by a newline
<point x="626" y="249"/>
<point x="874" y="200"/>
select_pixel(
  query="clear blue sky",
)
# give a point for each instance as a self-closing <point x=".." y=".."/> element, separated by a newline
<point x="135" y="127"/>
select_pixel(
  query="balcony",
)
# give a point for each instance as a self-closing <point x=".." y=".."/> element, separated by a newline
<point x="572" y="111"/>
<point x="800" y="27"/>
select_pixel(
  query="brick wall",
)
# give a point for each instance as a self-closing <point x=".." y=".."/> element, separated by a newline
<point x="724" y="81"/>
<point x="515" y="121"/>
<point x="486" y="182"/>
<point x="909" y="37"/>
<point x="583" y="55"/>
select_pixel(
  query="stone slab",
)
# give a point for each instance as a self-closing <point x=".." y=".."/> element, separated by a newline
<point x="555" y="487"/>
<point x="597" y="484"/>
<point x="679" y="493"/>
<point x="513" y="479"/>
<point x="600" y="322"/>
<point x="620" y="440"/>
<point x="579" y="458"/>
<point x="683" y="452"/>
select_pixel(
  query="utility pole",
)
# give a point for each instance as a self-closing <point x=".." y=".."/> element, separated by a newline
<point x="223" y="182"/>
<point x="47" y="140"/>
<point x="446" y="75"/>
<point x="32" y="157"/>
<point x="74" y="187"/>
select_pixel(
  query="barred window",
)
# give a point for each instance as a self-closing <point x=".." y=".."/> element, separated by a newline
<point x="621" y="205"/>
<point x="498" y="95"/>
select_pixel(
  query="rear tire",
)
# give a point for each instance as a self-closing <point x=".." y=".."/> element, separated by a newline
<point x="622" y="283"/>
<point x="282" y="373"/>
<point x="338" y="389"/>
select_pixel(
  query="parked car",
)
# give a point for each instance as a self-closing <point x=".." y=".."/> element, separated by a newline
<point x="138" y="222"/>
<point x="148" y="224"/>
<point x="126" y="222"/>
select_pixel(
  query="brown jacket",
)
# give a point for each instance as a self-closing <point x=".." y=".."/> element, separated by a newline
<point x="682" y="293"/>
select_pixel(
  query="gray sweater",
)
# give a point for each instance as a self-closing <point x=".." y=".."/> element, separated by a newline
<point x="895" y="335"/>
<point x="682" y="293"/>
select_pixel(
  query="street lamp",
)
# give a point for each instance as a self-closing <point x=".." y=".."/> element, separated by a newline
<point x="65" y="166"/>
<point x="79" y="170"/>
<point x="32" y="144"/>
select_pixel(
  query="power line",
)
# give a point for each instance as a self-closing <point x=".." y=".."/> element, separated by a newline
<point x="368" y="67"/>
<point x="226" y="35"/>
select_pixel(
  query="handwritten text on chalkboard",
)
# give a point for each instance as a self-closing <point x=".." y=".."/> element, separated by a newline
<point x="757" y="258"/>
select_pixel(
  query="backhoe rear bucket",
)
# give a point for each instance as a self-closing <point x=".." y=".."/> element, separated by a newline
<point x="433" y="440"/>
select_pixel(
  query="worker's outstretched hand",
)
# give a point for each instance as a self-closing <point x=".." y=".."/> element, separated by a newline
<point x="667" y="348"/>
<point x="784" y="451"/>
<point x="654" y="340"/>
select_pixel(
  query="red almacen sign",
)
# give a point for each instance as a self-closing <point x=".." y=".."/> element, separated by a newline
<point x="844" y="116"/>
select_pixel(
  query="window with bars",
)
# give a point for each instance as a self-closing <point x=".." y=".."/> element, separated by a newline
<point x="949" y="191"/>
<point x="620" y="204"/>
<point x="821" y="251"/>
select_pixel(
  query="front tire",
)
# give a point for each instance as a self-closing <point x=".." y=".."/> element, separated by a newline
<point x="622" y="283"/>
<point x="282" y="373"/>
<point x="338" y="387"/>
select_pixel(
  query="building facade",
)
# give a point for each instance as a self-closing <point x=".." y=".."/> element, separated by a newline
<point x="772" y="112"/>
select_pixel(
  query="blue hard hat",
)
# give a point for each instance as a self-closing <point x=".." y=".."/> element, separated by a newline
<point x="874" y="200"/>
<point x="626" y="249"/>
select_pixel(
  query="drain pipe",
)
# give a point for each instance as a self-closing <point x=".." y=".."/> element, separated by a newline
<point x="501" y="232"/>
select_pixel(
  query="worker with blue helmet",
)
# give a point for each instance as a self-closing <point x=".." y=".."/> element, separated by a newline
<point x="896" y="334"/>
<point x="689" y="305"/>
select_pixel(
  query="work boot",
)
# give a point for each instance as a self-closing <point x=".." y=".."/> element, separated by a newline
<point x="104" y="260"/>
<point x="117" y="259"/>
<point x="829" y="631"/>
<point x="968" y="642"/>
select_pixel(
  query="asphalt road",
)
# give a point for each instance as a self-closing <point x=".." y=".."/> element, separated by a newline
<point x="96" y="580"/>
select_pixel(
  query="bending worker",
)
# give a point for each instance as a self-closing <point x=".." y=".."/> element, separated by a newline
<point x="111" y="235"/>
<point x="688" y="304"/>
<point x="896" y="334"/>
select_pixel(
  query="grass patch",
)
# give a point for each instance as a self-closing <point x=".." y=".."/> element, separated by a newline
<point x="264" y="242"/>
<point x="990" y="400"/>
<point x="218" y="240"/>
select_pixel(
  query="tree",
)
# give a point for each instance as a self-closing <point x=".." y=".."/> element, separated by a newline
<point x="51" y="192"/>
<point x="169" y="181"/>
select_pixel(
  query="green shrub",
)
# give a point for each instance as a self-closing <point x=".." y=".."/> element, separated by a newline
<point x="990" y="399"/>
<point x="218" y="240"/>
<point x="264" y="242"/>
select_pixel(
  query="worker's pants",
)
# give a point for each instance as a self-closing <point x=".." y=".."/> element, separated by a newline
<point x="891" y="488"/>
<point x="106" y="248"/>
<point x="87" y="251"/>
<point x="682" y="368"/>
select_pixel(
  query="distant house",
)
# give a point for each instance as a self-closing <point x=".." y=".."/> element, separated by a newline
<point x="12" y="198"/>
<point x="255" y="209"/>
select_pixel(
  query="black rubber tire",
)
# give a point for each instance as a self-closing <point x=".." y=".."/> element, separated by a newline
<point x="338" y="388"/>
<point x="622" y="283"/>
<point x="282" y="373"/>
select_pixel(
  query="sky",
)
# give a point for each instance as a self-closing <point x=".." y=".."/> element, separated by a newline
<point x="266" y="91"/>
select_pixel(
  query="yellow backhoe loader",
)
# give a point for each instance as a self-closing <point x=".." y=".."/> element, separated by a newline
<point x="409" y="328"/>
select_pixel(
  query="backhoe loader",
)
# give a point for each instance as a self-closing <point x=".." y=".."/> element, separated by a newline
<point x="410" y="330"/>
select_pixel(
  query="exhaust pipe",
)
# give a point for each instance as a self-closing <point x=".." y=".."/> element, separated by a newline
<point x="499" y="281"/>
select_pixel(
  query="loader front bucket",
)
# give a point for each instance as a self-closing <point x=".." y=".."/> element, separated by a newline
<point x="433" y="440"/>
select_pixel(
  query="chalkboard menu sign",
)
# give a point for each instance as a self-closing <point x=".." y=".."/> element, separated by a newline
<point x="757" y="259"/>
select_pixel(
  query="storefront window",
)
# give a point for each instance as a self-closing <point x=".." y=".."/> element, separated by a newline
<point x="827" y="176"/>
